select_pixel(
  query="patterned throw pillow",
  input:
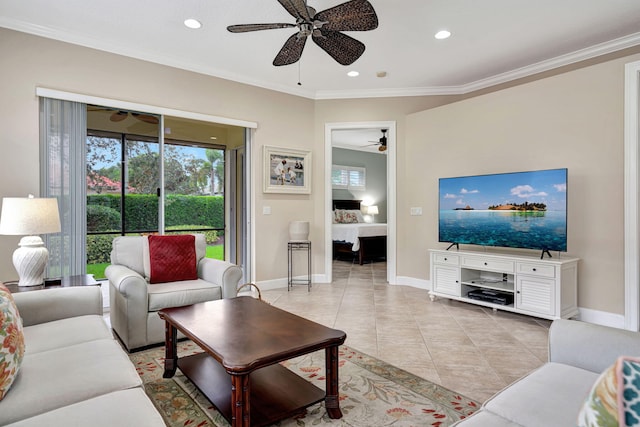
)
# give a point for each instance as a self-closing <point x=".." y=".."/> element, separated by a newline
<point x="346" y="216"/>
<point x="614" y="400"/>
<point x="11" y="340"/>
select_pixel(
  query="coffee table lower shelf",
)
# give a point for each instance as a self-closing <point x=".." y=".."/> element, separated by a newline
<point x="276" y="392"/>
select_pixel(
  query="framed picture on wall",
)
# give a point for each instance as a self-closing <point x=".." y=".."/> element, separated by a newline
<point x="286" y="170"/>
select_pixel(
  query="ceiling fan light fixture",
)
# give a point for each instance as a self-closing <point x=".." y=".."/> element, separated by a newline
<point x="353" y="73"/>
<point x="442" y="34"/>
<point x="192" y="23"/>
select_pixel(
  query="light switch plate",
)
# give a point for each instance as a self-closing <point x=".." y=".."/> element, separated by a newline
<point x="266" y="210"/>
<point x="416" y="211"/>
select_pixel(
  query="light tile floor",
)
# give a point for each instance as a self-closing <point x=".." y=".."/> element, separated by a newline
<point x="466" y="348"/>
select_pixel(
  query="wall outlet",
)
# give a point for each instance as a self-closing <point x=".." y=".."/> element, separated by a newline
<point x="266" y="210"/>
<point x="416" y="211"/>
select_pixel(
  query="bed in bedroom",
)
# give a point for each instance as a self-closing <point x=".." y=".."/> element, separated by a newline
<point x="352" y="237"/>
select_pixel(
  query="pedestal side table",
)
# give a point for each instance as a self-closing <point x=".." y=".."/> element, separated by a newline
<point x="296" y="246"/>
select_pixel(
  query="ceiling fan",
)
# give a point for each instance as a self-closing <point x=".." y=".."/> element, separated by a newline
<point x="120" y="115"/>
<point x="323" y="27"/>
<point x="382" y="142"/>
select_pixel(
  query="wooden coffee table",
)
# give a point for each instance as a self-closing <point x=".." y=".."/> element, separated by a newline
<point x="243" y="340"/>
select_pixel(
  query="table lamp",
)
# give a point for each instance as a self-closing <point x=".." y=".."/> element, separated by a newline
<point x="29" y="216"/>
<point x="372" y="210"/>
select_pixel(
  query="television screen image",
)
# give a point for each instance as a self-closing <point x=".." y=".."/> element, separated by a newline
<point x="517" y="210"/>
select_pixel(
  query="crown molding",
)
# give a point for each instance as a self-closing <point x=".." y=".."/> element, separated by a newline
<point x="611" y="46"/>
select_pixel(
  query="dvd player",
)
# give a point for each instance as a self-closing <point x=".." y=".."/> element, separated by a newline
<point x="489" y="295"/>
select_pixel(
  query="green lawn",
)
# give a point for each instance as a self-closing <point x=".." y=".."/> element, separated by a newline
<point x="215" y="252"/>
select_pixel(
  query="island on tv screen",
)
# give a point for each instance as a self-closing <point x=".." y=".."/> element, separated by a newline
<point x="517" y="210"/>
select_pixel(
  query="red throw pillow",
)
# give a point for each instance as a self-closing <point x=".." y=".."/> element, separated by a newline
<point x="172" y="258"/>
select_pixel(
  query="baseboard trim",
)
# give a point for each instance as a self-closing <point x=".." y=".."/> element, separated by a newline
<point x="412" y="281"/>
<point x="601" y="318"/>
<point x="266" y="285"/>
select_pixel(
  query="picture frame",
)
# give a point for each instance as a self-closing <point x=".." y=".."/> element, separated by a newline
<point x="286" y="170"/>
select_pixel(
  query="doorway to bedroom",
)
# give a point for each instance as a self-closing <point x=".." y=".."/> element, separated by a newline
<point x="360" y="197"/>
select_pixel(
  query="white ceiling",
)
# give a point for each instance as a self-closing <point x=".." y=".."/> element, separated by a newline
<point x="493" y="41"/>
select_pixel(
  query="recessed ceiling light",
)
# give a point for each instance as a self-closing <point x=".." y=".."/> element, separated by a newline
<point x="442" y="34"/>
<point x="192" y="23"/>
<point x="353" y="74"/>
<point x="381" y="74"/>
<point x="213" y="137"/>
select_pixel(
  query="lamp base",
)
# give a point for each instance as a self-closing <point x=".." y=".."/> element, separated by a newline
<point x="30" y="260"/>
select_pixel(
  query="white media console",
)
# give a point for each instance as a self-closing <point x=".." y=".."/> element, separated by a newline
<point x="546" y="288"/>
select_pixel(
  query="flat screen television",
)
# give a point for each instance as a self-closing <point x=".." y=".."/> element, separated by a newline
<point x="516" y="210"/>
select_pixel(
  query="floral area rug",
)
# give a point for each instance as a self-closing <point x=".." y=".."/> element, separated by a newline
<point x="372" y="393"/>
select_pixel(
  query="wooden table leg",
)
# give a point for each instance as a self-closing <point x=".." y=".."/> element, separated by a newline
<point x="240" y="402"/>
<point x="170" y="350"/>
<point x="332" y="399"/>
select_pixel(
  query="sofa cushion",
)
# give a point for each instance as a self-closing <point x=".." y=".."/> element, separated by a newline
<point x="65" y="332"/>
<point x="11" y="341"/>
<point x="485" y="419"/>
<point x="52" y="379"/>
<point x="614" y="396"/>
<point x="172" y="258"/>
<point x="177" y="294"/>
<point x="549" y="396"/>
<point x="121" y="408"/>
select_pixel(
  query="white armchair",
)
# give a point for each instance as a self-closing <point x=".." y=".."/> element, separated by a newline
<point x="134" y="302"/>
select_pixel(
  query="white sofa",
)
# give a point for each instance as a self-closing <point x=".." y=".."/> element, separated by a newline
<point x="134" y="303"/>
<point x="553" y="395"/>
<point x="74" y="373"/>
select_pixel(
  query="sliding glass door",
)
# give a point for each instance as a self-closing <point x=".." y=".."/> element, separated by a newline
<point x="141" y="184"/>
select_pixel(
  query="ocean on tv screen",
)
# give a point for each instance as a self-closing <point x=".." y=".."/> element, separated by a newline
<point x="512" y="229"/>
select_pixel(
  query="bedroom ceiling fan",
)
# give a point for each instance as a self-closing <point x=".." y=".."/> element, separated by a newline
<point x="323" y="27"/>
<point x="382" y="142"/>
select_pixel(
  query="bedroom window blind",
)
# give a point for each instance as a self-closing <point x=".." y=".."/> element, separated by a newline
<point x="348" y="177"/>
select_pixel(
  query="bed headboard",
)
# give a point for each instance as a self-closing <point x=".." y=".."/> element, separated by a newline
<point x="346" y="204"/>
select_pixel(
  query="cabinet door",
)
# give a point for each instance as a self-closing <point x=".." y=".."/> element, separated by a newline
<point x="446" y="280"/>
<point x="536" y="295"/>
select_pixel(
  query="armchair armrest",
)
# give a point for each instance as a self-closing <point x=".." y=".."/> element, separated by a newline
<point x="127" y="282"/>
<point x="60" y="303"/>
<point x="223" y="273"/>
<point x="588" y="346"/>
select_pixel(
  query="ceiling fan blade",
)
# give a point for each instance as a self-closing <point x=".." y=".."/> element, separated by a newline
<point x="147" y="118"/>
<point x="291" y="51"/>
<point x="354" y="15"/>
<point x="245" y="28"/>
<point x="296" y="8"/>
<point x="344" y="49"/>
<point x="118" y="116"/>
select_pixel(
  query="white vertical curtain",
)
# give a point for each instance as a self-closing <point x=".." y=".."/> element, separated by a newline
<point x="63" y="135"/>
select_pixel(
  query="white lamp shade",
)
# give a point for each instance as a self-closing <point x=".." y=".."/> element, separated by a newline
<point x="23" y="216"/>
<point x="372" y="210"/>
